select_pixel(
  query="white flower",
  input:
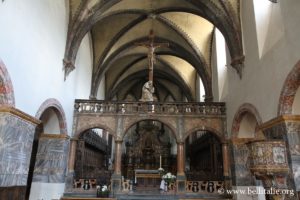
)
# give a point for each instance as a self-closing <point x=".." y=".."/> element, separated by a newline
<point x="169" y="177"/>
<point x="104" y="188"/>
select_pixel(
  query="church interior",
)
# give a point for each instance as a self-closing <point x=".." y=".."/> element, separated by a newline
<point x="149" y="99"/>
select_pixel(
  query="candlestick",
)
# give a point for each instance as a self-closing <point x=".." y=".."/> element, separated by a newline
<point x="159" y="161"/>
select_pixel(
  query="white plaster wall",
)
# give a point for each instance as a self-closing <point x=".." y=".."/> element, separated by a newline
<point x="296" y="104"/>
<point x="247" y="126"/>
<point x="33" y="37"/>
<point x="197" y="88"/>
<point x="50" y="122"/>
<point x="263" y="78"/>
<point x="221" y="65"/>
<point x="215" y="80"/>
<point x="101" y="90"/>
<point x="47" y="191"/>
<point x="32" y="44"/>
<point x="202" y="91"/>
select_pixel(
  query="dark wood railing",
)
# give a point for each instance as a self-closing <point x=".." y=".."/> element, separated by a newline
<point x="119" y="107"/>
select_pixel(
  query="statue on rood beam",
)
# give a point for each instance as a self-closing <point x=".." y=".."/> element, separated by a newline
<point x="147" y="92"/>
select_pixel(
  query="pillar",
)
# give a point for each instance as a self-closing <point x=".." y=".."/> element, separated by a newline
<point x="118" y="154"/>
<point x="180" y="168"/>
<point x="180" y="159"/>
<point x="225" y="159"/>
<point x="72" y="154"/>
<point x="116" y="178"/>
<point x="225" y="155"/>
<point x="71" y="164"/>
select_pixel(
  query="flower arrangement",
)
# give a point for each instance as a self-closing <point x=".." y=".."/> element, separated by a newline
<point x="161" y="171"/>
<point x="102" y="191"/>
<point x="169" y="178"/>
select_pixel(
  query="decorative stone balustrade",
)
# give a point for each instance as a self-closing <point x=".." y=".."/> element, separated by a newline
<point x="117" y="107"/>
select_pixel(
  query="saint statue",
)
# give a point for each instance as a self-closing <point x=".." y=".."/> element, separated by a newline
<point x="147" y="92"/>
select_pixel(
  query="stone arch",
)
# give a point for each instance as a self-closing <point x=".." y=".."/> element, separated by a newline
<point x="94" y="125"/>
<point x="59" y="111"/>
<point x="246" y="109"/>
<point x="289" y="90"/>
<point x="205" y="128"/>
<point x="165" y="122"/>
<point x="7" y="96"/>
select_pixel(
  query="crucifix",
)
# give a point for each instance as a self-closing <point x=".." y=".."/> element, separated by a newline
<point x="151" y="45"/>
<point x="148" y="89"/>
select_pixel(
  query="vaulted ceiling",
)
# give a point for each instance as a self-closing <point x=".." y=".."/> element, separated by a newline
<point x="116" y="26"/>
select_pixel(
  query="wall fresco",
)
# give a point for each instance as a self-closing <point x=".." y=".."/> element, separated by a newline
<point x="293" y="138"/>
<point x="241" y="165"/>
<point x="51" y="160"/>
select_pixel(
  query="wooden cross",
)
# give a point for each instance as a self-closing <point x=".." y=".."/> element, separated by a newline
<point x="151" y="45"/>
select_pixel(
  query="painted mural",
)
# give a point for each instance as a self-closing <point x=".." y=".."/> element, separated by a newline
<point x="51" y="161"/>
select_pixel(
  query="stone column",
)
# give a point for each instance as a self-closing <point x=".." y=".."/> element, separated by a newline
<point x="117" y="177"/>
<point x="226" y="164"/>
<point x="181" y="178"/>
<point x="71" y="164"/>
<point x="225" y="155"/>
<point x="118" y="154"/>
<point x="72" y="154"/>
<point x="180" y="159"/>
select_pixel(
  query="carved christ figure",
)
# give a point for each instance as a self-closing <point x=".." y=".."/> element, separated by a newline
<point x="151" y="46"/>
<point x="148" y="89"/>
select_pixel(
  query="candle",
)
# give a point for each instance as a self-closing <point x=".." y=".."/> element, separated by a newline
<point x="159" y="161"/>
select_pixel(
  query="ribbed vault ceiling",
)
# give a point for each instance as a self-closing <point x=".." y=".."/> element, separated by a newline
<point x="116" y="26"/>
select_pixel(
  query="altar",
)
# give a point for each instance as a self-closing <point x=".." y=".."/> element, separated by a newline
<point x="147" y="179"/>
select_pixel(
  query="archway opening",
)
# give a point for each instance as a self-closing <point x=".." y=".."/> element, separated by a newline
<point x="247" y="126"/>
<point x="204" y="161"/>
<point x="93" y="160"/>
<point x="147" y="146"/>
<point x="50" y="125"/>
<point x="50" y="121"/>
